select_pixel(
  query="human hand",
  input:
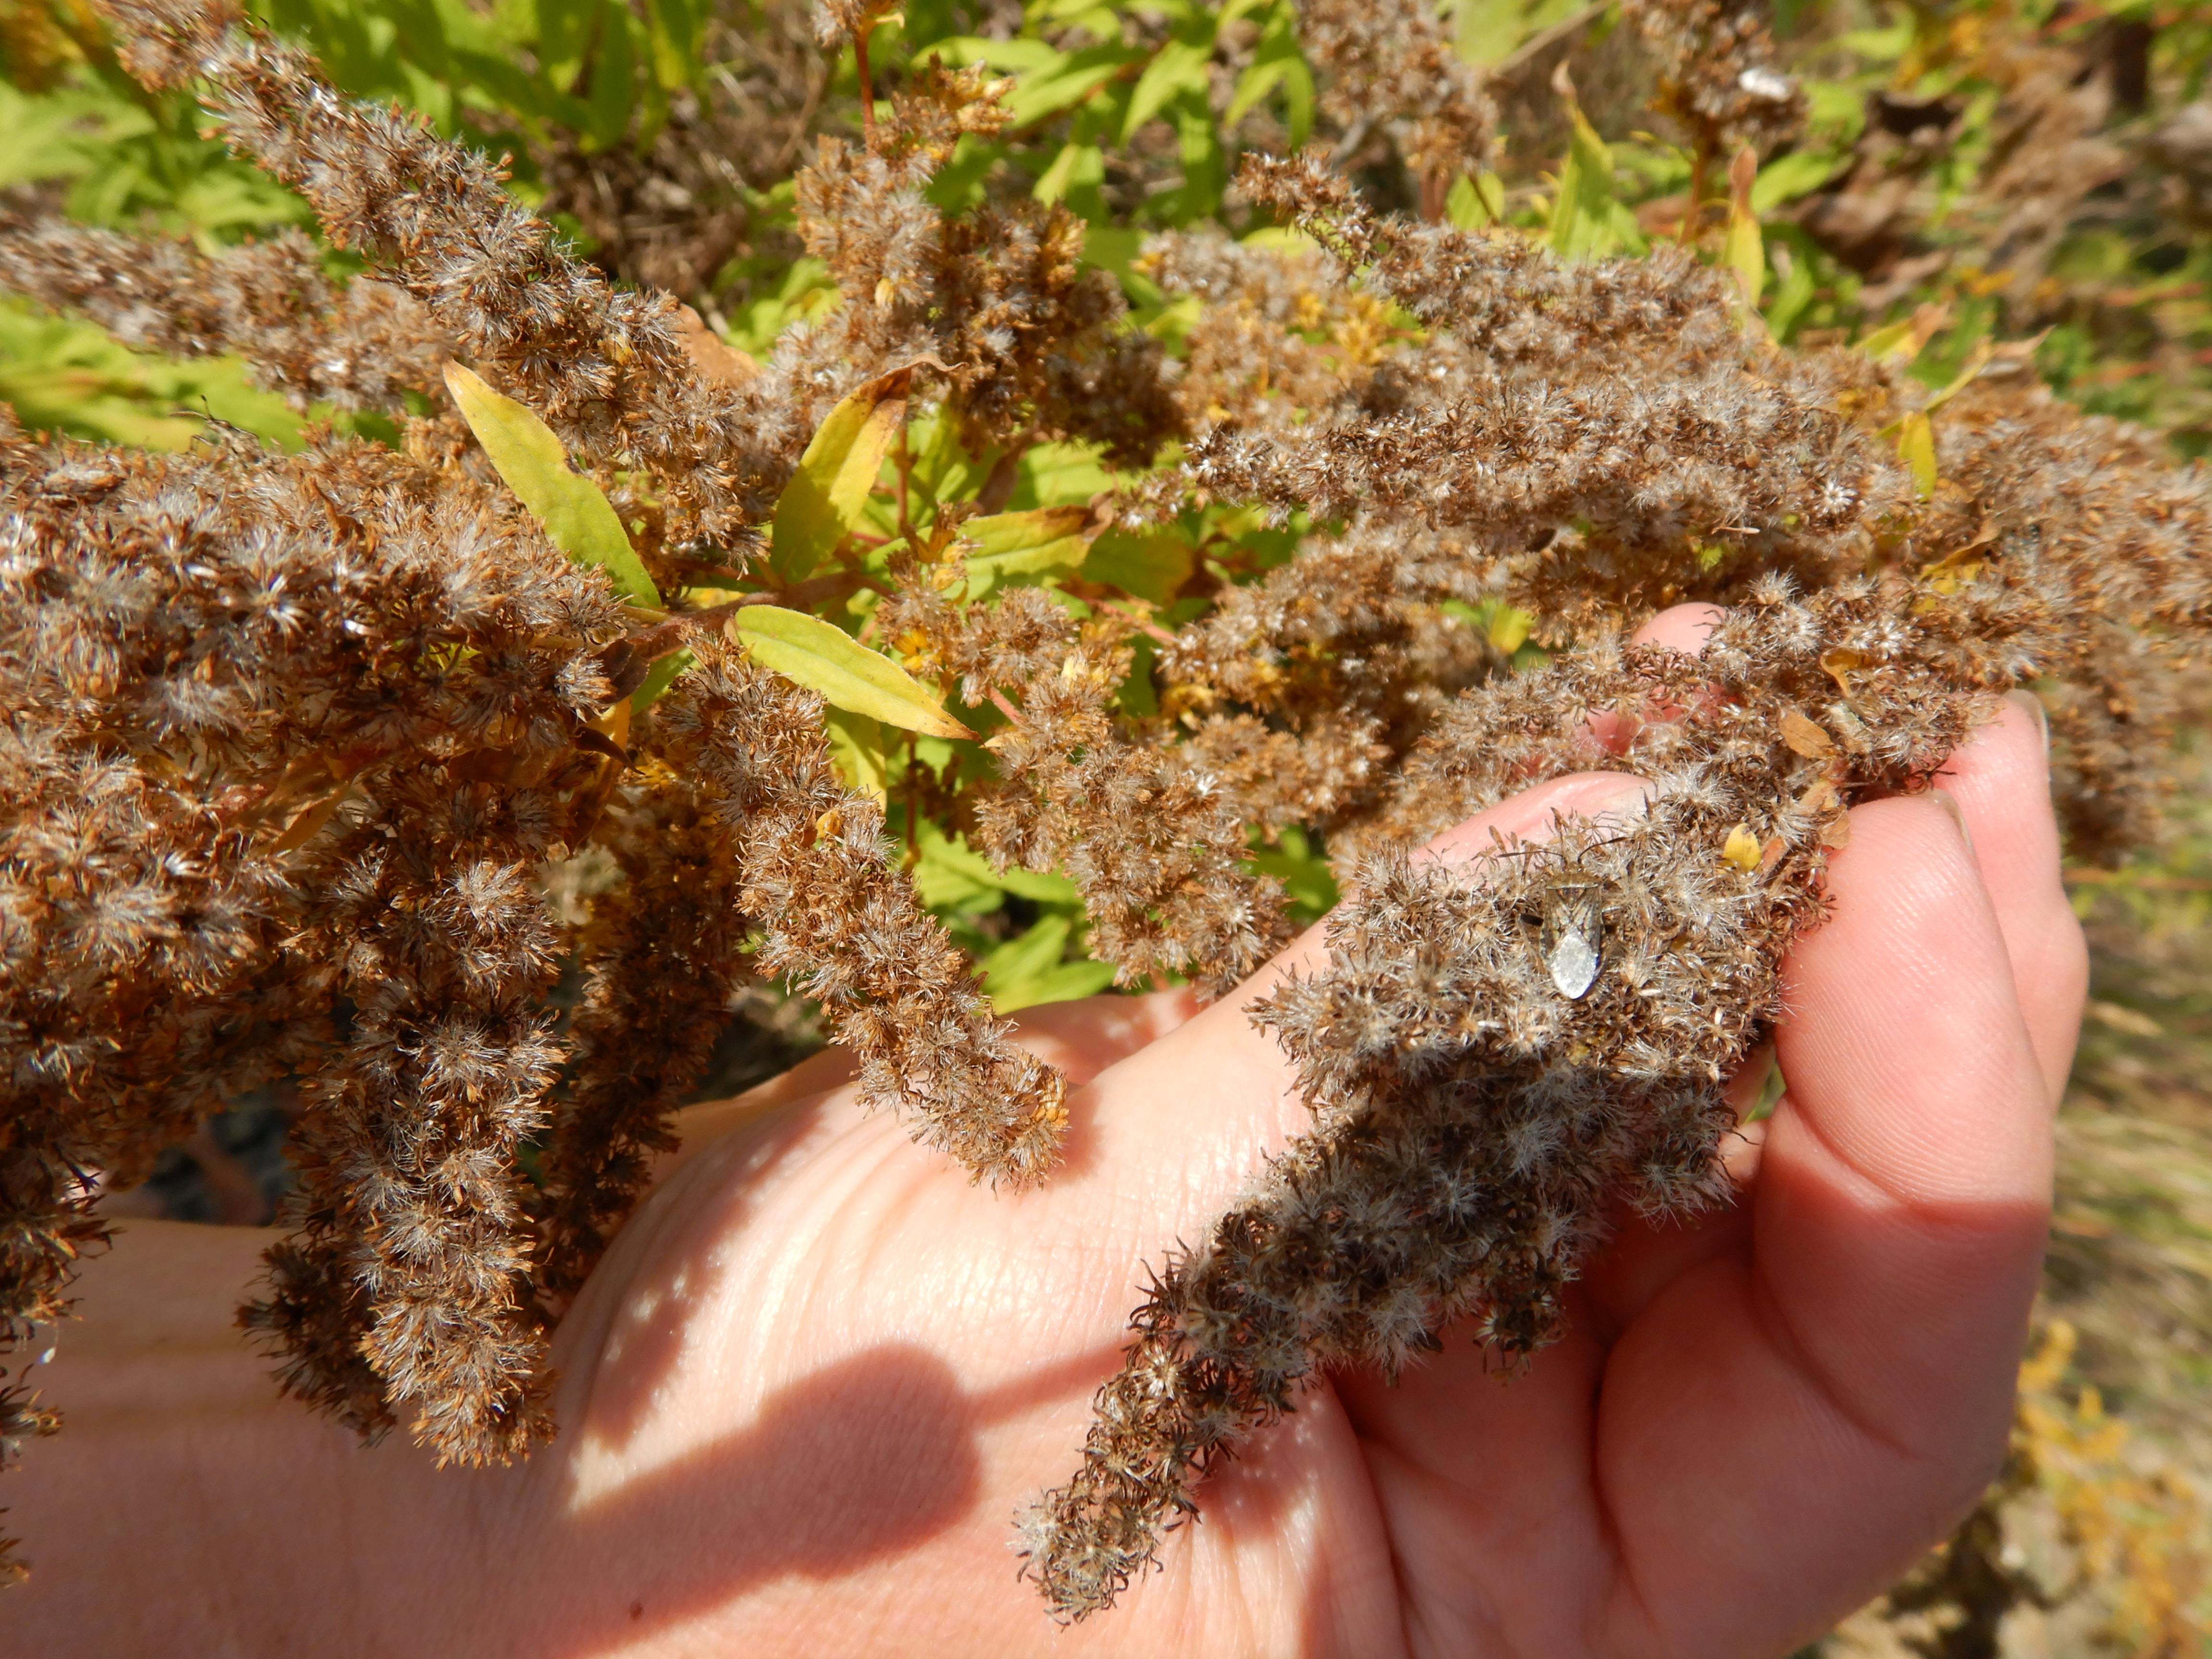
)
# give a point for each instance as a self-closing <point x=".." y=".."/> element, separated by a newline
<point x="820" y="1370"/>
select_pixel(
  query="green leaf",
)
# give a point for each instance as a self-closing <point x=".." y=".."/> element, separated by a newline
<point x="1178" y="67"/>
<point x="1969" y="372"/>
<point x="1152" y="565"/>
<point x="1259" y="79"/>
<point x="845" y="674"/>
<point x="950" y="872"/>
<point x="858" y="750"/>
<point x="1025" y="972"/>
<point x="1788" y="176"/>
<point x="1076" y="166"/>
<point x="1589" y="219"/>
<point x="614" y="76"/>
<point x="821" y="505"/>
<point x="657" y="679"/>
<point x="1305" y="873"/>
<point x="578" y="518"/>
<point x="1079" y="76"/>
<point x="1014" y="547"/>
<point x="1466" y="206"/>
<point x="1061" y="475"/>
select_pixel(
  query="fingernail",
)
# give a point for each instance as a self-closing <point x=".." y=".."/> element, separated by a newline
<point x="2033" y="704"/>
<point x="1943" y="799"/>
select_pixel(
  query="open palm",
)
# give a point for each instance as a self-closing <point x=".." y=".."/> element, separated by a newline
<point x="822" y="1371"/>
<point x="810" y="1387"/>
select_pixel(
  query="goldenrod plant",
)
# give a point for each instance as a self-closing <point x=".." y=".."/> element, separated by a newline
<point x="1151" y="472"/>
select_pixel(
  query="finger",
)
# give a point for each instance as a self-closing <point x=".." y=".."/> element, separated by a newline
<point x="1869" y="1344"/>
<point x="2001" y="780"/>
<point x="1683" y="628"/>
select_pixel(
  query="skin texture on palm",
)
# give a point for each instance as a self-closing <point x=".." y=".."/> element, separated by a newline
<point x="819" y="1371"/>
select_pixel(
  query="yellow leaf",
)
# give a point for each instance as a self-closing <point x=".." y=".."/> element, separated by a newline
<point x="1508" y="629"/>
<point x="1840" y="665"/>
<point x="1742" y="848"/>
<point x="845" y="673"/>
<point x="528" y="457"/>
<point x="857" y="749"/>
<point x="1915" y="447"/>
<point x="1745" y="251"/>
<point x="822" y="503"/>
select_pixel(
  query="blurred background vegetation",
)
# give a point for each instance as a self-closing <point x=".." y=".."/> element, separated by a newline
<point x="1974" y="171"/>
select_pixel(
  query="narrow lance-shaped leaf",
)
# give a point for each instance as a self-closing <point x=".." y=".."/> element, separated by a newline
<point x="580" y="521"/>
<point x="1178" y="67"/>
<point x="847" y="675"/>
<point x="1745" y="253"/>
<point x="1589" y="219"/>
<point x="1915" y="447"/>
<point x="822" y="503"/>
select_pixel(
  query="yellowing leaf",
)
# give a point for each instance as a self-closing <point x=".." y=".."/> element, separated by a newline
<point x="1010" y="547"/>
<point x="1903" y="341"/>
<point x="1915" y="447"/>
<point x="528" y="457"/>
<point x="822" y="503"/>
<point x="1889" y="341"/>
<point x="858" y="750"/>
<point x="1508" y="627"/>
<point x="1744" y="250"/>
<point x="1840" y="665"/>
<point x="847" y="675"/>
<point x="1741" y="849"/>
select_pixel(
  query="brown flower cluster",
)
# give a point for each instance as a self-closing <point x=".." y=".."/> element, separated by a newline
<point x="362" y="346"/>
<point x="1392" y="66"/>
<point x="1591" y="443"/>
<point x="294" y="742"/>
<point x="1719" y="79"/>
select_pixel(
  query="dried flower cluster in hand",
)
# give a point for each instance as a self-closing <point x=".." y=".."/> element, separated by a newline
<point x="295" y="741"/>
